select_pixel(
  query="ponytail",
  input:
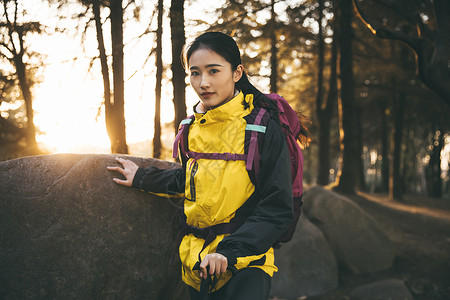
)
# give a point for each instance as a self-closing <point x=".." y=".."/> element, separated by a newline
<point x="259" y="99"/>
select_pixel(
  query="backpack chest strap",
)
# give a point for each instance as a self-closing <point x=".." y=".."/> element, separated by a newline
<point x="217" y="156"/>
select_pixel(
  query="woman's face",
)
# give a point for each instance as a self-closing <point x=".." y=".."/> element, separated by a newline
<point x="212" y="77"/>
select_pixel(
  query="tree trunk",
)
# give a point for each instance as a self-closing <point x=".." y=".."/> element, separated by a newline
<point x="273" y="52"/>
<point x="347" y="177"/>
<point x="324" y="112"/>
<point x="324" y="122"/>
<point x="109" y="119"/>
<point x="395" y="182"/>
<point x="409" y="161"/>
<point x="159" y="70"/>
<point x="399" y="121"/>
<point x="434" y="166"/>
<point x="178" y="73"/>
<point x="17" y="52"/>
<point x="120" y="144"/>
<point x="433" y="67"/>
<point x="361" y="178"/>
<point x="28" y="98"/>
<point x="385" y="148"/>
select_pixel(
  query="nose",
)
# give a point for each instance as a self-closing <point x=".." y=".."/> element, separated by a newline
<point x="204" y="84"/>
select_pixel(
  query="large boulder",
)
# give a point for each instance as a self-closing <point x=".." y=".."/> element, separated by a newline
<point x="356" y="239"/>
<point x="67" y="231"/>
<point x="382" y="290"/>
<point x="306" y="264"/>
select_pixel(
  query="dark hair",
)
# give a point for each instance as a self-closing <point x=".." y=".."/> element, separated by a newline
<point x="225" y="46"/>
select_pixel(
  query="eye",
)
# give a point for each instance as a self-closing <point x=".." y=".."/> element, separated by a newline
<point x="194" y="73"/>
<point x="214" y="71"/>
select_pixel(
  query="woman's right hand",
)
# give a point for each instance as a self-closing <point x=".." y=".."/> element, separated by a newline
<point x="128" y="171"/>
<point x="214" y="263"/>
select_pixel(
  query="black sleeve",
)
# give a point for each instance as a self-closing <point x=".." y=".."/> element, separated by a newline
<point x="168" y="182"/>
<point x="274" y="213"/>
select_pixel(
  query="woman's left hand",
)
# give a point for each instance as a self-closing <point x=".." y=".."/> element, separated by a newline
<point x="217" y="265"/>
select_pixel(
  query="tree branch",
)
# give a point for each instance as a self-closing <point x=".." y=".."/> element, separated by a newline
<point x="383" y="33"/>
<point x="434" y="73"/>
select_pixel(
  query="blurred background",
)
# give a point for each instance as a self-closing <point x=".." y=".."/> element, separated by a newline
<point x="373" y="77"/>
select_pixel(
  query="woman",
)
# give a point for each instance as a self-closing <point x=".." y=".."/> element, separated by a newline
<point x="219" y="191"/>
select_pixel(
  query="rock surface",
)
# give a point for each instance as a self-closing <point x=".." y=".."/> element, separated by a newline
<point x="355" y="238"/>
<point x="306" y="264"/>
<point x="389" y="289"/>
<point x="67" y="231"/>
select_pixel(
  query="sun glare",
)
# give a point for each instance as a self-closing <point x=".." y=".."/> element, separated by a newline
<point x="68" y="100"/>
<point x="68" y="103"/>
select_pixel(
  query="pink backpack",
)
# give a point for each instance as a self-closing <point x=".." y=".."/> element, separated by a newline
<point x="257" y="121"/>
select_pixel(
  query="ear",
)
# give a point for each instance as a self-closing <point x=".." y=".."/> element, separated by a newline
<point x="238" y="73"/>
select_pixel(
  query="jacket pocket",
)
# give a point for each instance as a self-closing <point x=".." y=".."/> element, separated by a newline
<point x="192" y="191"/>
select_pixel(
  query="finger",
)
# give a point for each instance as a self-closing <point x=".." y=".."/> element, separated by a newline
<point x="112" y="168"/>
<point x="203" y="266"/>
<point x="128" y="164"/>
<point x="215" y="269"/>
<point x="219" y="264"/>
<point x="224" y="265"/>
<point x="212" y="267"/>
<point x="120" y="160"/>
<point x="120" y="181"/>
<point x="118" y="169"/>
<point x="126" y="161"/>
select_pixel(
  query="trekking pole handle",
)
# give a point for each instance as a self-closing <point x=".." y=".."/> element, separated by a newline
<point x="205" y="284"/>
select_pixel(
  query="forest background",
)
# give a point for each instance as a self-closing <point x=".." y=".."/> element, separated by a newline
<point x="373" y="77"/>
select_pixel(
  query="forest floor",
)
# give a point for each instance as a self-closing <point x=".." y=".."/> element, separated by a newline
<point x="420" y="230"/>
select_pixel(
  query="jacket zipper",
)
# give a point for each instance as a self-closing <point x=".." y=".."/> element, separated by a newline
<point x="192" y="182"/>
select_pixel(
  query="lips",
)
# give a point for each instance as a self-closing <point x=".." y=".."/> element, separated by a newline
<point x="207" y="94"/>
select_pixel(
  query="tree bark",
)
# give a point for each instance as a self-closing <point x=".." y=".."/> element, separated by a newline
<point x="273" y="51"/>
<point x="17" y="52"/>
<point x="395" y="181"/>
<point x="324" y="112"/>
<point x="178" y="74"/>
<point x="120" y="144"/>
<point x="361" y="178"/>
<point x="25" y="88"/>
<point x="347" y="177"/>
<point x="434" y="166"/>
<point x="109" y="118"/>
<point x="433" y="68"/>
<point x="384" y="147"/>
<point x="159" y="71"/>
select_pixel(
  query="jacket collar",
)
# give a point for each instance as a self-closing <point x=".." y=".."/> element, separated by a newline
<point x="228" y="111"/>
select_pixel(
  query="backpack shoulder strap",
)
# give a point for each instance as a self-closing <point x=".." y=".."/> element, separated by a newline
<point x="181" y="140"/>
<point x="255" y="131"/>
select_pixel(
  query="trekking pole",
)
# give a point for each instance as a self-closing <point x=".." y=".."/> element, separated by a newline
<point x="205" y="285"/>
<point x="204" y="288"/>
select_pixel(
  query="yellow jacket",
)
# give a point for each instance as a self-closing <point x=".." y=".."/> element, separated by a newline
<point x="216" y="191"/>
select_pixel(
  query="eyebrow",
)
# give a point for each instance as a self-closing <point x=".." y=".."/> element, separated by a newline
<point x="207" y="66"/>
